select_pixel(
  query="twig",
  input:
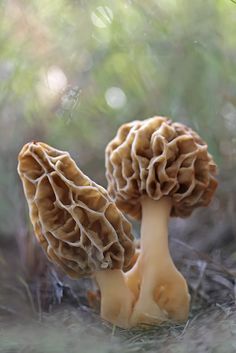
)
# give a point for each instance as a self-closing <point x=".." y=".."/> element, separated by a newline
<point x="206" y="258"/>
<point x="202" y="267"/>
<point x="8" y="310"/>
<point x="184" y="329"/>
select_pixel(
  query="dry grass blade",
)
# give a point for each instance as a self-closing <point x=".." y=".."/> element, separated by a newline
<point x="29" y="294"/>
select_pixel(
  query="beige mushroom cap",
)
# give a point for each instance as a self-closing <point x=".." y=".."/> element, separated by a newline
<point x="157" y="157"/>
<point x="74" y="219"/>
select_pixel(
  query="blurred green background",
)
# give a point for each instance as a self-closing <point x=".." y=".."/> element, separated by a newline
<point x="72" y="71"/>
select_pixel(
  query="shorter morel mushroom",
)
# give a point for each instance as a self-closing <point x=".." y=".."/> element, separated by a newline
<point x="78" y="225"/>
<point x="157" y="168"/>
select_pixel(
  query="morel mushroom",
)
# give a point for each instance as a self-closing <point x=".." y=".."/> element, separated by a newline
<point x="78" y="225"/>
<point x="157" y="168"/>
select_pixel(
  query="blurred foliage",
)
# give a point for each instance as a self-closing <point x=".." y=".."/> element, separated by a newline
<point x="72" y="71"/>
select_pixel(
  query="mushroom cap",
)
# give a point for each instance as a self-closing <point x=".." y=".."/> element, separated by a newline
<point x="74" y="219"/>
<point x="157" y="157"/>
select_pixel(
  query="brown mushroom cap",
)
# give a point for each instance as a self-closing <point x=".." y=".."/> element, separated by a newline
<point x="74" y="219"/>
<point x="156" y="157"/>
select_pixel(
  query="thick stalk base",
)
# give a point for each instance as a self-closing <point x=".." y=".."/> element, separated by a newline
<point x="160" y="290"/>
<point x="117" y="300"/>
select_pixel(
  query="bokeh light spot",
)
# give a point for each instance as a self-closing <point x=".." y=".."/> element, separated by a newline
<point x="56" y="79"/>
<point x="102" y="16"/>
<point x="52" y="83"/>
<point x="115" y="97"/>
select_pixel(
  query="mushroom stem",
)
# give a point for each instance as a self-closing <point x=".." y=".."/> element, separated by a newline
<point x="154" y="228"/>
<point x="160" y="289"/>
<point x="116" y="298"/>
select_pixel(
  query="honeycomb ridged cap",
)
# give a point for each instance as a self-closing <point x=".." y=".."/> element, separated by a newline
<point x="157" y="157"/>
<point x="74" y="219"/>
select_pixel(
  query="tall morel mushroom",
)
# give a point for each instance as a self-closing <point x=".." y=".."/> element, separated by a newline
<point x="78" y="225"/>
<point x="157" y="168"/>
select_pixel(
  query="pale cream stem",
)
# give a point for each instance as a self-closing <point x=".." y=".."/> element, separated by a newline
<point x="154" y="229"/>
<point x="154" y="241"/>
<point x="117" y="300"/>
